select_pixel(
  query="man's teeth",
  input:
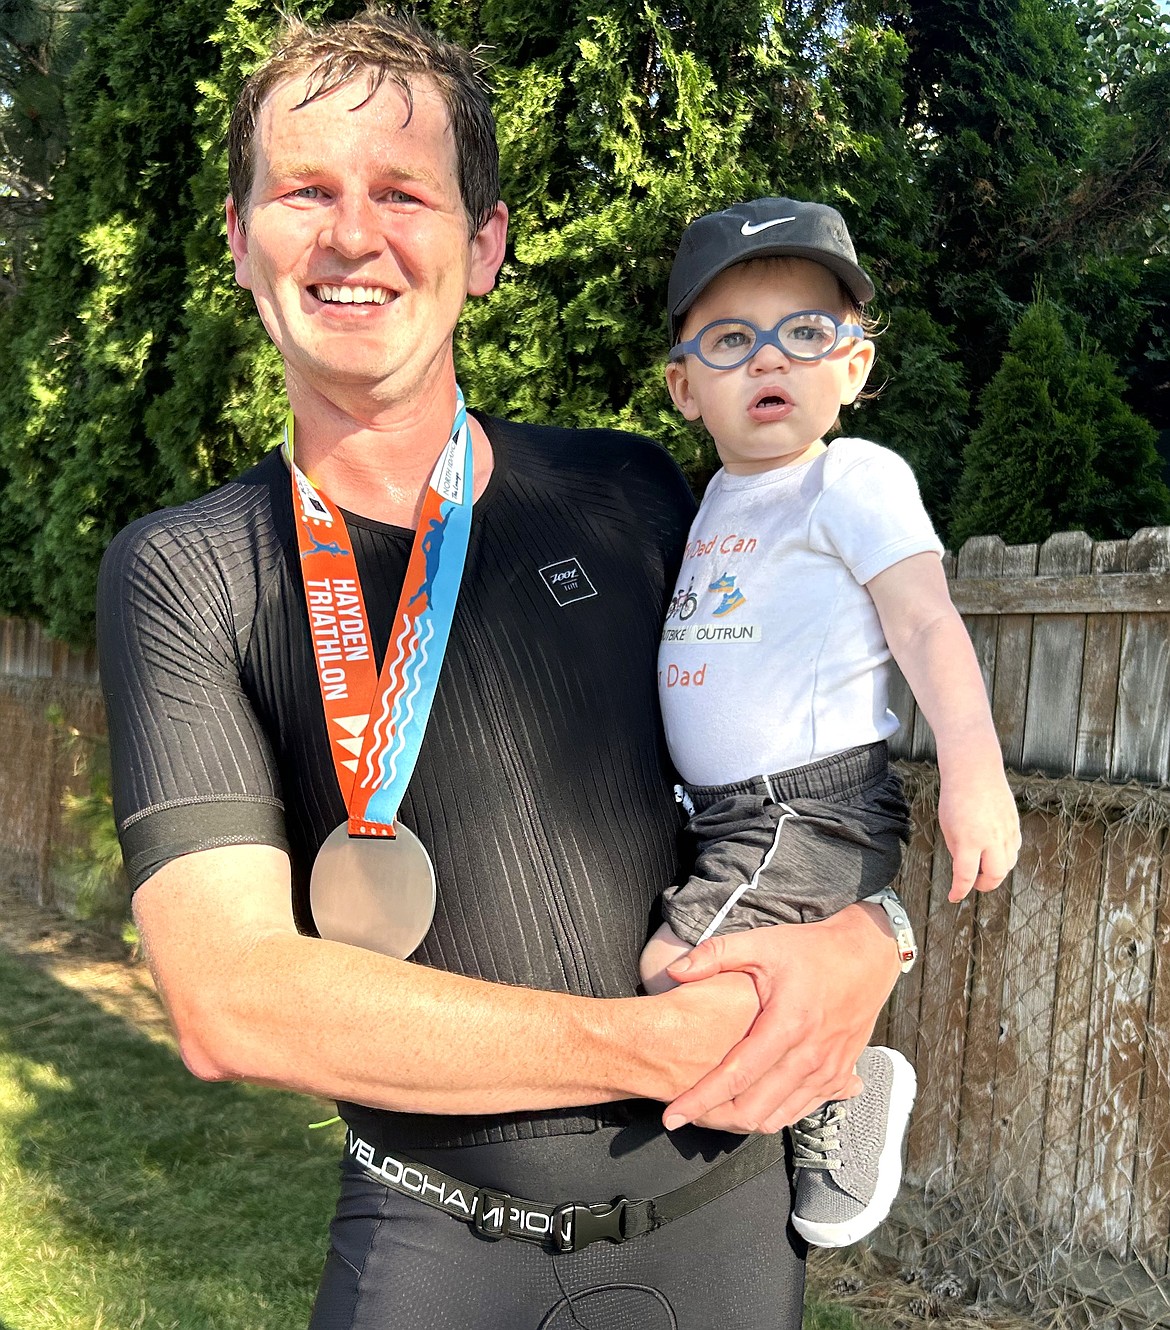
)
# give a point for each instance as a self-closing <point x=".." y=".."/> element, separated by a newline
<point x="353" y="295"/>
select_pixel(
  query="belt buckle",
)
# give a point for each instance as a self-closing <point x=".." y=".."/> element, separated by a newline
<point x="576" y="1226"/>
<point x="488" y="1203"/>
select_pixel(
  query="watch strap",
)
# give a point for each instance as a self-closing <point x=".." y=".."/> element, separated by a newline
<point x="900" y="922"/>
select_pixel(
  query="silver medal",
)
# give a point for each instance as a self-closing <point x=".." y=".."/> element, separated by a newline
<point x="373" y="891"/>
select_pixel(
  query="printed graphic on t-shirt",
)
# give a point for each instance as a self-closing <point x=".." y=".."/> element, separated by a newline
<point x="711" y="604"/>
<point x="723" y="601"/>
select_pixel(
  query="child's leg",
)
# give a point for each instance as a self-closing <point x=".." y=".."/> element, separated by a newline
<point x="664" y="946"/>
<point x="745" y="845"/>
<point x="762" y="861"/>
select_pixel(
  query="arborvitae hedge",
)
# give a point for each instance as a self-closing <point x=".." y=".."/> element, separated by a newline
<point x="136" y="373"/>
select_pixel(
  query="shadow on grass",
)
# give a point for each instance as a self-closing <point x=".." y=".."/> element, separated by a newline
<point x="165" y="1201"/>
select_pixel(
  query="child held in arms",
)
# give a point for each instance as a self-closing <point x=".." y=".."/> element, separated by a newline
<point x="809" y="567"/>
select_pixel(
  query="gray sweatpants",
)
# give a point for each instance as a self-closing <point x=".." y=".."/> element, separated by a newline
<point x="793" y="847"/>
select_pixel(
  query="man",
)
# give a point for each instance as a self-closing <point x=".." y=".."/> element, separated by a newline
<point x="363" y="212"/>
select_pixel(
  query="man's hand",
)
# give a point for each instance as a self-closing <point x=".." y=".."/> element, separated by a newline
<point x="820" y="988"/>
<point x="979" y="822"/>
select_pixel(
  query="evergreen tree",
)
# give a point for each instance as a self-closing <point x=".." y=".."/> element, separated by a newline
<point x="1105" y="245"/>
<point x="1057" y="449"/>
<point x="918" y="405"/>
<point x="87" y="340"/>
<point x="999" y="90"/>
<point x="39" y="43"/>
<point x="1130" y="492"/>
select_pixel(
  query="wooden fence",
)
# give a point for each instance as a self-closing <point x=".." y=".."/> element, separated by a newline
<point x="1039" y="1015"/>
<point x="1074" y="640"/>
<point x="50" y="704"/>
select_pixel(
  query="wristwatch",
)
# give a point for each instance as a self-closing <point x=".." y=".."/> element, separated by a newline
<point x="887" y="898"/>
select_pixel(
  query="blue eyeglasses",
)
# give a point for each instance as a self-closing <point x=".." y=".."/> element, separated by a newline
<point x="810" y="334"/>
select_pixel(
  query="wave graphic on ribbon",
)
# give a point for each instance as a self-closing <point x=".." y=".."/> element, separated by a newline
<point x="403" y="646"/>
<point x="403" y="739"/>
<point x="380" y="762"/>
<point x="403" y="711"/>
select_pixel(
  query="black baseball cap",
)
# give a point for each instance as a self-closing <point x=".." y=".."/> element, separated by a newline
<point x="760" y="229"/>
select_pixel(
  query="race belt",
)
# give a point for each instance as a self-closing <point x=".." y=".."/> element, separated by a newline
<point x="569" y="1226"/>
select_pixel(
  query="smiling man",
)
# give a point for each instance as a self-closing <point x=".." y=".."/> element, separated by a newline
<point x="281" y="815"/>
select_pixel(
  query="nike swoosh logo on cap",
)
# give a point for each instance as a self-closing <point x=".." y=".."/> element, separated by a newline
<point x="750" y="228"/>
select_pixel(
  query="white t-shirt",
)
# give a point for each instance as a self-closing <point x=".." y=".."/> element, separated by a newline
<point x="772" y="653"/>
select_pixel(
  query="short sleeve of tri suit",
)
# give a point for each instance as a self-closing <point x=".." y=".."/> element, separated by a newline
<point x="178" y="597"/>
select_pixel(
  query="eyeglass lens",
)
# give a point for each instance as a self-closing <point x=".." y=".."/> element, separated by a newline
<point x="804" y="336"/>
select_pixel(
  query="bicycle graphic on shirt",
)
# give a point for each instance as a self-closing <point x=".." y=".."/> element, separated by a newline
<point x="683" y="604"/>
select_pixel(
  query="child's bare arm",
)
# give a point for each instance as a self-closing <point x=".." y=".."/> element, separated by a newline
<point x="928" y="639"/>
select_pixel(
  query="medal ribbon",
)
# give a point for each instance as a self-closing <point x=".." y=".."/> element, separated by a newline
<point x="376" y="722"/>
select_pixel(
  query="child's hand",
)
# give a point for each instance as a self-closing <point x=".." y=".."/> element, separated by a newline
<point x="981" y="827"/>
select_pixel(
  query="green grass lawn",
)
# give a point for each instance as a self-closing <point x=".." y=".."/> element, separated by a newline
<point x="135" y="1197"/>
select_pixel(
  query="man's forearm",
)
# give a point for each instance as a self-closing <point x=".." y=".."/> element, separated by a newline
<point x="256" y="1001"/>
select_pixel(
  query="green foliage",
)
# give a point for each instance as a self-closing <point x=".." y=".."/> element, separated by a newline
<point x="91" y="879"/>
<point x="1000" y="85"/>
<point x="1148" y="364"/>
<point x="1124" y="39"/>
<point x="820" y="1315"/>
<point x="929" y="429"/>
<point x="970" y="144"/>
<point x="92" y="333"/>
<point x="94" y="869"/>
<point x="1057" y="449"/>
<point x="40" y="41"/>
<point x="999" y="92"/>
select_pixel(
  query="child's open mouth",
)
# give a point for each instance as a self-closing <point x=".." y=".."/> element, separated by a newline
<point x="769" y="404"/>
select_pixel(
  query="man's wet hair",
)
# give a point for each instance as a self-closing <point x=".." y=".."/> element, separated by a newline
<point x="379" y="46"/>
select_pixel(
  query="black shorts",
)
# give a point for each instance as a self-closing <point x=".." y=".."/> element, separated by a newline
<point x="396" y="1264"/>
<point x="804" y="843"/>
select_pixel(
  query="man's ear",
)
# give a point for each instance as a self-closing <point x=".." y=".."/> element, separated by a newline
<point x="487" y="252"/>
<point x="679" y="384"/>
<point x="861" y="357"/>
<point x="238" y="243"/>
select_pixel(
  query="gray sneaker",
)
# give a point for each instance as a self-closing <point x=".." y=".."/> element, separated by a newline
<point x="849" y="1153"/>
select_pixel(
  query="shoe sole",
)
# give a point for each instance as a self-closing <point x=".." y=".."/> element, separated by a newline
<point x="903" y="1090"/>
